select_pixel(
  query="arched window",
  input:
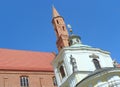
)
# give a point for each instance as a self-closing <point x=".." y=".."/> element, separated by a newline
<point x="62" y="72"/>
<point x="96" y="63"/>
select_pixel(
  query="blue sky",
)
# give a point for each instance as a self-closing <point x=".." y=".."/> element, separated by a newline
<point x="26" y="24"/>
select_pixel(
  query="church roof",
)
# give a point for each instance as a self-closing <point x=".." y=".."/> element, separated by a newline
<point x="25" y="60"/>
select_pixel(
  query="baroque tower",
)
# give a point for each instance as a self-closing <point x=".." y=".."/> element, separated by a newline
<point x="60" y="30"/>
<point x="79" y="65"/>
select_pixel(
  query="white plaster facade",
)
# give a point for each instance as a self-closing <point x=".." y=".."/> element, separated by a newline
<point x="108" y="77"/>
<point x="81" y="53"/>
<point x="79" y="65"/>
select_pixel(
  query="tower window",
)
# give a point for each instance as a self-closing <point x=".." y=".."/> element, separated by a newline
<point x="97" y="64"/>
<point x="56" y="31"/>
<point x="63" y="28"/>
<point x="62" y="71"/>
<point x="57" y="21"/>
<point x="24" y="81"/>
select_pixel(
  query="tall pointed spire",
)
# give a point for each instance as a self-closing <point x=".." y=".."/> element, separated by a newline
<point x="60" y="30"/>
<point x="55" y="13"/>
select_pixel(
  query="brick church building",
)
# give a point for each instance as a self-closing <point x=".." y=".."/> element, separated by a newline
<point x="25" y="68"/>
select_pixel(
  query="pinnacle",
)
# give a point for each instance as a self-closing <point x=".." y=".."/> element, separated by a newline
<point x="55" y="13"/>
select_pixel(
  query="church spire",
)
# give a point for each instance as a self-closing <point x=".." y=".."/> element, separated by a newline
<point x="60" y="30"/>
<point x="55" y="13"/>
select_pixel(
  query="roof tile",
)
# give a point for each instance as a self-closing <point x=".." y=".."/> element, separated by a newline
<point x="25" y="60"/>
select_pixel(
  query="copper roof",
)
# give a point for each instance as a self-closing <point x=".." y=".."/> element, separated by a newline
<point x="25" y="60"/>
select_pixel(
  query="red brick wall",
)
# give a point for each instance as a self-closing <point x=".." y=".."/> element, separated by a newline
<point x="36" y="79"/>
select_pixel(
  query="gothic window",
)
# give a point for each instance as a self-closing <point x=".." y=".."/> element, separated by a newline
<point x="24" y="81"/>
<point x="97" y="64"/>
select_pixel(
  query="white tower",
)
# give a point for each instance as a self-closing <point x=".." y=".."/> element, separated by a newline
<point x="76" y="63"/>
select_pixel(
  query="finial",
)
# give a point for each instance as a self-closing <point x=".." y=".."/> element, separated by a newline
<point x="69" y="26"/>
